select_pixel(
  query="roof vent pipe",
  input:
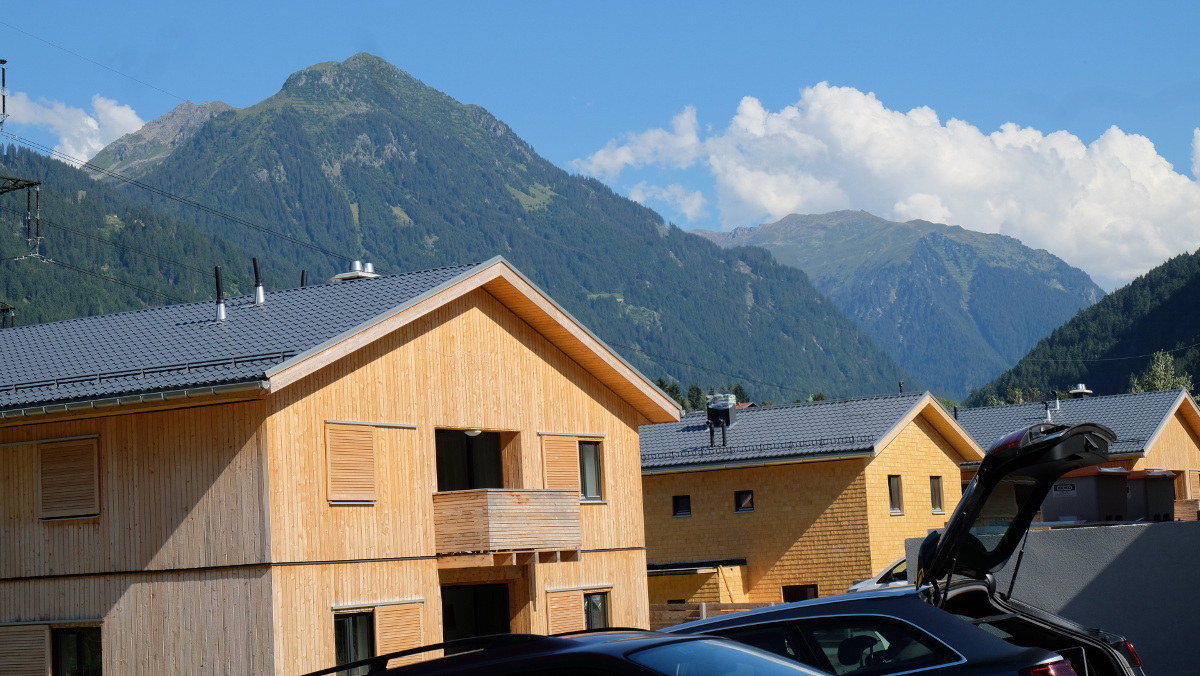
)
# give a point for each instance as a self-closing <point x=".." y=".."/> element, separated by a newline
<point x="220" y="295"/>
<point x="357" y="271"/>
<point x="369" y="268"/>
<point x="303" y="278"/>
<point x="260" y="296"/>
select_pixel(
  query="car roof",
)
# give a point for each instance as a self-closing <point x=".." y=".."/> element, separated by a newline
<point x="749" y="616"/>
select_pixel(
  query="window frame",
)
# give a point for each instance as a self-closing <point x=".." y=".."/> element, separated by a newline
<point x="784" y="589"/>
<point x="350" y="645"/>
<point x="605" y="608"/>
<point x="596" y="464"/>
<point x="740" y="501"/>
<point x="895" y="494"/>
<point x="937" y="495"/>
<point x="57" y="634"/>
<point x="681" y="505"/>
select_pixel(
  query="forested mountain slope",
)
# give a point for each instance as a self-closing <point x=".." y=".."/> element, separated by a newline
<point x="94" y="234"/>
<point x="1115" y="338"/>
<point x="363" y="160"/>
<point x="954" y="306"/>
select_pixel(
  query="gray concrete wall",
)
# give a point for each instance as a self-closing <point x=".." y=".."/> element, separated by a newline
<point x="1136" y="580"/>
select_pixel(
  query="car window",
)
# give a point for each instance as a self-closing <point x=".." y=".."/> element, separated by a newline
<point x="716" y="658"/>
<point x="867" y="645"/>
<point x="1001" y="508"/>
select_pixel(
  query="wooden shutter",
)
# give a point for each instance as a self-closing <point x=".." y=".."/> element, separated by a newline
<point x="350" y="454"/>
<point x="565" y="611"/>
<point x="399" y="627"/>
<point x="25" y="651"/>
<point x="68" y="481"/>
<point x="560" y="458"/>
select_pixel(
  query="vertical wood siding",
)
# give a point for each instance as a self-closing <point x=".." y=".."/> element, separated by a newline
<point x="210" y="622"/>
<point x="177" y="489"/>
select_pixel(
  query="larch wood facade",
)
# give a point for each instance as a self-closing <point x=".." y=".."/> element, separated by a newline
<point x="232" y="529"/>
<point x="820" y="523"/>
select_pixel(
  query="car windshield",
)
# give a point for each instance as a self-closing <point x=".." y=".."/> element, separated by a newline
<point x="1000" y="509"/>
<point x="716" y="658"/>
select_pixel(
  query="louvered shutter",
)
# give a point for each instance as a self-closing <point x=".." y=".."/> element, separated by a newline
<point x="560" y="458"/>
<point x="68" y="481"/>
<point x="399" y="627"/>
<point x="25" y="651"/>
<point x="566" y="611"/>
<point x="350" y="453"/>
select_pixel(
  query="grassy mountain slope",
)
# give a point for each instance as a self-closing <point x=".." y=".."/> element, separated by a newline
<point x="358" y="157"/>
<point x="92" y="230"/>
<point x="954" y="306"/>
<point x="1110" y="341"/>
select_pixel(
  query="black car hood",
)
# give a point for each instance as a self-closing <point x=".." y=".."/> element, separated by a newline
<point x="1000" y="502"/>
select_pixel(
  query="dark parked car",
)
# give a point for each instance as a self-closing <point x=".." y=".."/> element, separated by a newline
<point x="955" y="620"/>
<point x="614" y="652"/>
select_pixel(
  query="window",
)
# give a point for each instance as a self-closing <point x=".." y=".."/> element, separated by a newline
<point x="68" y="482"/>
<point x="76" y="651"/>
<point x="468" y="461"/>
<point x="595" y="610"/>
<point x="590" y="478"/>
<point x="350" y="463"/>
<point x="743" y="501"/>
<point x="681" y="505"/>
<point x="935" y="494"/>
<point x="354" y="639"/>
<point x="894" y="494"/>
<point x="799" y="592"/>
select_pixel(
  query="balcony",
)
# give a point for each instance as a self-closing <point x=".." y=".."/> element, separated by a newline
<point x="500" y="526"/>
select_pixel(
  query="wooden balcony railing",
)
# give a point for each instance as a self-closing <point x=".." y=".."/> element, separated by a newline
<point x="486" y="520"/>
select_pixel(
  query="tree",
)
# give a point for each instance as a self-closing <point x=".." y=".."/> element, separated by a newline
<point x="740" y="392"/>
<point x="696" y="399"/>
<point x="1160" y="375"/>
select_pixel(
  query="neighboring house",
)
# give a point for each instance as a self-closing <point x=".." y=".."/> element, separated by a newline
<point x="340" y="471"/>
<point x="795" y="501"/>
<point x="1155" y="430"/>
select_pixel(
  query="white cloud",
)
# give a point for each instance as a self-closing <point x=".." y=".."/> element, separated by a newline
<point x="80" y="134"/>
<point x="1196" y="153"/>
<point x="678" y="148"/>
<point x="690" y="203"/>
<point x="1113" y="207"/>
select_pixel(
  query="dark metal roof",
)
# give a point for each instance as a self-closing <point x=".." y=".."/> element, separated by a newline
<point x="1133" y="417"/>
<point x="788" y="431"/>
<point x="183" y="346"/>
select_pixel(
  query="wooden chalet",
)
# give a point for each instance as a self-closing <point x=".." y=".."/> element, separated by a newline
<point x="314" y="475"/>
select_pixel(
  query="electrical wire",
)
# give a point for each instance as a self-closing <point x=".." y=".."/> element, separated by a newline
<point x="52" y="224"/>
<point x="177" y="198"/>
<point x="112" y="279"/>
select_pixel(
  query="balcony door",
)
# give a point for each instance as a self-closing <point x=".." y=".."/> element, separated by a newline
<point x="465" y="462"/>
<point x="474" y="610"/>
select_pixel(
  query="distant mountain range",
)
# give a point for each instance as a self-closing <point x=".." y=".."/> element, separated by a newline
<point x="358" y="160"/>
<point x="1115" y="338"/>
<point x="955" y="306"/>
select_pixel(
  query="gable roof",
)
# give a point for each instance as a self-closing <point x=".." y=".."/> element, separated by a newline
<point x="1137" y="419"/>
<point x="182" y="347"/>
<point x="818" y="430"/>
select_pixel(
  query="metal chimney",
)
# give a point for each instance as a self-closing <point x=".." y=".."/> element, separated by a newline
<point x="260" y="296"/>
<point x="357" y="271"/>
<point x="1080" y="392"/>
<point x="220" y="295"/>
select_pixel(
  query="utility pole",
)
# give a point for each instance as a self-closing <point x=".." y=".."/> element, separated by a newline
<point x="33" y="214"/>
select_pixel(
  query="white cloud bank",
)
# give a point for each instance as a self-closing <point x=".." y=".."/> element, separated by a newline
<point x="80" y="134"/>
<point x="1113" y="207"/>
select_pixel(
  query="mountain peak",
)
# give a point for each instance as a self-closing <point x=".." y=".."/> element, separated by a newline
<point x="135" y="153"/>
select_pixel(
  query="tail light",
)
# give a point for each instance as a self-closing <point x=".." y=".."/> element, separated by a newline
<point x="1056" y="668"/>
<point x="1137" y="661"/>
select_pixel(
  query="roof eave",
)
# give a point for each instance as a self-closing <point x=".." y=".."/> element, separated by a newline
<point x="758" y="462"/>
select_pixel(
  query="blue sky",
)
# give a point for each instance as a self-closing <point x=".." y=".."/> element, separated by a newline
<point x="896" y="108"/>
